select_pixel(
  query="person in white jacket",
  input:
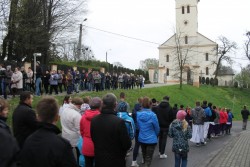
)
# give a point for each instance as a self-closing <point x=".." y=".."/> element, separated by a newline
<point x="16" y="82"/>
<point x="70" y="121"/>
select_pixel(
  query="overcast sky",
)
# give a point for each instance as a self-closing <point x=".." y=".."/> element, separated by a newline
<point x="154" y="21"/>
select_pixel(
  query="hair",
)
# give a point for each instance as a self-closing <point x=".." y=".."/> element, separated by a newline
<point x="205" y="102"/>
<point x="66" y="98"/>
<point x="153" y="100"/>
<point x="245" y="107"/>
<point x="3" y="104"/>
<point x="214" y="107"/>
<point x="47" y="109"/>
<point x="166" y="98"/>
<point x="198" y="103"/>
<point x="24" y="96"/>
<point x="77" y="101"/>
<point x="122" y="95"/>
<point x="86" y="99"/>
<point x="210" y="104"/>
<point x="95" y="103"/>
<point x="146" y="103"/>
<point x="109" y="101"/>
<point x="181" y="106"/>
<point x="140" y="100"/>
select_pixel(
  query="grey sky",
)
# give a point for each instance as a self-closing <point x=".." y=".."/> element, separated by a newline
<point x="154" y="20"/>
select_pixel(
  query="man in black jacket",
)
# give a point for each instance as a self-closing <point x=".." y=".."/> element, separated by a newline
<point x="24" y="118"/>
<point x="165" y="117"/>
<point x="244" y="113"/>
<point x="45" y="148"/>
<point x="110" y="136"/>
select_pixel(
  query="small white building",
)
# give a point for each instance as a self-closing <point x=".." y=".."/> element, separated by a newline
<point x="197" y="52"/>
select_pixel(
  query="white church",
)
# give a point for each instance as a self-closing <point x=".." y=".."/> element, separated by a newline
<point x="187" y="48"/>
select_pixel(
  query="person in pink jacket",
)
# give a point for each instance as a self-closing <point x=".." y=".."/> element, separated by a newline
<point x="88" y="146"/>
<point x="223" y="120"/>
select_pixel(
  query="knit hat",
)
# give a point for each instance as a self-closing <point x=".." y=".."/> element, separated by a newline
<point x="181" y="114"/>
<point x="122" y="106"/>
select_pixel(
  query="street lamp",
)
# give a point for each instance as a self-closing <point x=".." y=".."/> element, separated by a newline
<point x="36" y="55"/>
<point x="107" y="55"/>
<point x="79" y="46"/>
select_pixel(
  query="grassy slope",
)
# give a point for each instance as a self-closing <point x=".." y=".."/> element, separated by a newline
<point x="222" y="97"/>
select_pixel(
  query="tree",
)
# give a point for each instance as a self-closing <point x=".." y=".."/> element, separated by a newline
<point x="247" y="45"/>
<point x="117" y="64"/>
<point x="243" y="78"/>
<point x="225" y="47"/>
<point x="149" y="63"/>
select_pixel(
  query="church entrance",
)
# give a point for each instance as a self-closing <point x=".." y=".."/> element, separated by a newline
<point x="189" y="76"/>
<point x="156" y="76"/>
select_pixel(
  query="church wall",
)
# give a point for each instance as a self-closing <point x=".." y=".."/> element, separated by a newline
<point x="225" y="80"/>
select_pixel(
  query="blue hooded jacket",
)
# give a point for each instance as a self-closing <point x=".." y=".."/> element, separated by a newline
<point x="129" y="123"/>
<point x="148" y="126"/>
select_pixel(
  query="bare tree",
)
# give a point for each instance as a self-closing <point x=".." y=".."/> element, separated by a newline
<point x="247" y="45"/>
<point x="225" y="47"/>
<point x="117" y="64"/>
<point x="147" y="63"/>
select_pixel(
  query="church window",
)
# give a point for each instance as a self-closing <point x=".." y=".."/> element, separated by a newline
<point x="207" y="71"/>
<point x="206" y="56"/>
<point x="186" y="39"/>
<point x="167" y="58"/>
<point x="167" y="72"/>
<point x="183" y="9"/>
<point x="188" y="9"/>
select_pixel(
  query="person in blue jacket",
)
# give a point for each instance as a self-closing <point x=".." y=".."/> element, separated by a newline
<point x="148" y="131"/>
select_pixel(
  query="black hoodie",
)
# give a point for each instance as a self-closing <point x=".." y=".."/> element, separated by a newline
<point x="165" y="114"/>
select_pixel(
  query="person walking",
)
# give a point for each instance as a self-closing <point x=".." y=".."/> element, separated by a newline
<point x="245" y="113"/>
<point x="70" y="121"/>
<point x="24" y="118"/>
<point x="88" y="145"/>
<point x="165" y="117"/>
<point x="46" y="147"/>
<point x="109" y="135"/>
<point x="198" y="115"/>
<point x="8" y="145"/>
<point x="38" y="81"/>
<point x="180" y="131"/>
<point x="148" y="131"/>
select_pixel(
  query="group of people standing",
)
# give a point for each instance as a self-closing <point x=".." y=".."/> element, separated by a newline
<point x="57" y="81"/>
<point x="99" y="132"/>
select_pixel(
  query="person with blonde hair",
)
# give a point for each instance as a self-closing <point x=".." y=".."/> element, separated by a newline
<point x="180" y="131"/>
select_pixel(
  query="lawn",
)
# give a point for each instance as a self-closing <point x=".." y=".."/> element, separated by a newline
<point x="223" y="97"/>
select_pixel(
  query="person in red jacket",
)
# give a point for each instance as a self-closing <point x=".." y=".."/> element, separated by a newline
<point x="88" y="146"/>
<point x="223" y="120"/>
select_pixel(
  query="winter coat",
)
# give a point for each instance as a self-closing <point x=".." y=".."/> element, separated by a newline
<point x="88" y="145"/>
<point x="208" y="113"/>
<point x="180" y="136"/>
<point x="53" y="79"/>
<point x="230" y="117"/>
<point x="17" y="80"/>
<point x="24" y="122"/>
<point x="165" y="114"/>
<point x="8" y="145"/>
<point x="70" y="121"/>
<point x="223" y="117"/>
<point x="8" y="75"/>
<point x="217" y="119"/>
<point x="148" y="126"/>
<point x="129" y="123"/>
<point x="29" y="77"/>
<point x="111" y="140"/>
<point x="46" y="148"/>
<point x="198" y="115"/>
<point x="245" y="113"/>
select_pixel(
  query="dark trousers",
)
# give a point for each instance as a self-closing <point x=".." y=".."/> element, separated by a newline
<point x="97" y="87"/>
<point x="136" y="147"/>
<point x="163" y="140"/>
<point x="53" y="87"/>
<point x="46" y="87"/>
<point x="89" y="161"/>
<point x="216" y="129"/>
<point x="223" y="128"/>
<point x="147" y="153"/>
<point x="60" y="87"/>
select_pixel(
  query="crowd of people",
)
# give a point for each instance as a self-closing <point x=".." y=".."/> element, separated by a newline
<point x="99" y="132"/>
<point x="58" y="81"/>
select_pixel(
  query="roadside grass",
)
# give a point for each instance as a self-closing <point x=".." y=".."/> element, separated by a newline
<point x="220" y="96"/>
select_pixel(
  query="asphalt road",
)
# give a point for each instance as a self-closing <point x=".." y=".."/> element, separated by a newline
<point x="198" y="156"/>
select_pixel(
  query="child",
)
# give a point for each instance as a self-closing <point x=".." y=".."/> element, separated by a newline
<point x="180" y="131"/>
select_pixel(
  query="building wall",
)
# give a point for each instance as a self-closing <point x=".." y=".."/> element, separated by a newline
<point x="225" y="80"/>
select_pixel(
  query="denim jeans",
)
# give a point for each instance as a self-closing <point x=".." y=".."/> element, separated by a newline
<point x="137" y="146"/>
<point x="180" y="160"/>
<point x="147" y="153"/>
<point x="38" y="83"/>
<point x="90" y="86"/>
<point x="163" y="140"/>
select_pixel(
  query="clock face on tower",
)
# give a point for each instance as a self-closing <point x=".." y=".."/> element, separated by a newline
<point x="185" y="22"/>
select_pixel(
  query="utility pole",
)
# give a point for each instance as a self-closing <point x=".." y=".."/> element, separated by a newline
<point x="79" y="45"/>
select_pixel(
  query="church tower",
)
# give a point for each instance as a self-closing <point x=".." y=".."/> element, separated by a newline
<point x="187" y="17"/>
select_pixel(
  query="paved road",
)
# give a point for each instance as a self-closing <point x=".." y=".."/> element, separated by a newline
<point x="198" y="156"/>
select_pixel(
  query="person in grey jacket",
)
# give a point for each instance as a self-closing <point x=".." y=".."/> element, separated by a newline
<point x="53" y="82"/>
<point x="199" y="116"/>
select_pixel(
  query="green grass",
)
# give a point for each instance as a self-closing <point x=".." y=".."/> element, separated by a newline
<point x="223" y="97"/>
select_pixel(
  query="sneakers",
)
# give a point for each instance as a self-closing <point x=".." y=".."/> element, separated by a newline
<point x="134" y="163"/>
<point x="203" y="143"/>
<point x="197" y="144"/>
<point x="163" y="156"/>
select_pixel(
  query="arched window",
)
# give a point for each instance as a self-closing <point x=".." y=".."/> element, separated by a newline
<point x="186" y="39"/>
<point x="188" y="9"/>
<point x="183" y="9"/>
<point x="207" y="71"/>
<point x="167" y="72"/>
<point x="206" y="56"/>
<point x="167" y="58"/>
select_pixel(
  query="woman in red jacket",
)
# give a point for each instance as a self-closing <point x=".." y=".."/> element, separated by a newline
<point x="223" y="120"/>
<point x="88" y="146"/>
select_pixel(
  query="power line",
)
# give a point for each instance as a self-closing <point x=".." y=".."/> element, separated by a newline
<point x="142" y="40"/>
